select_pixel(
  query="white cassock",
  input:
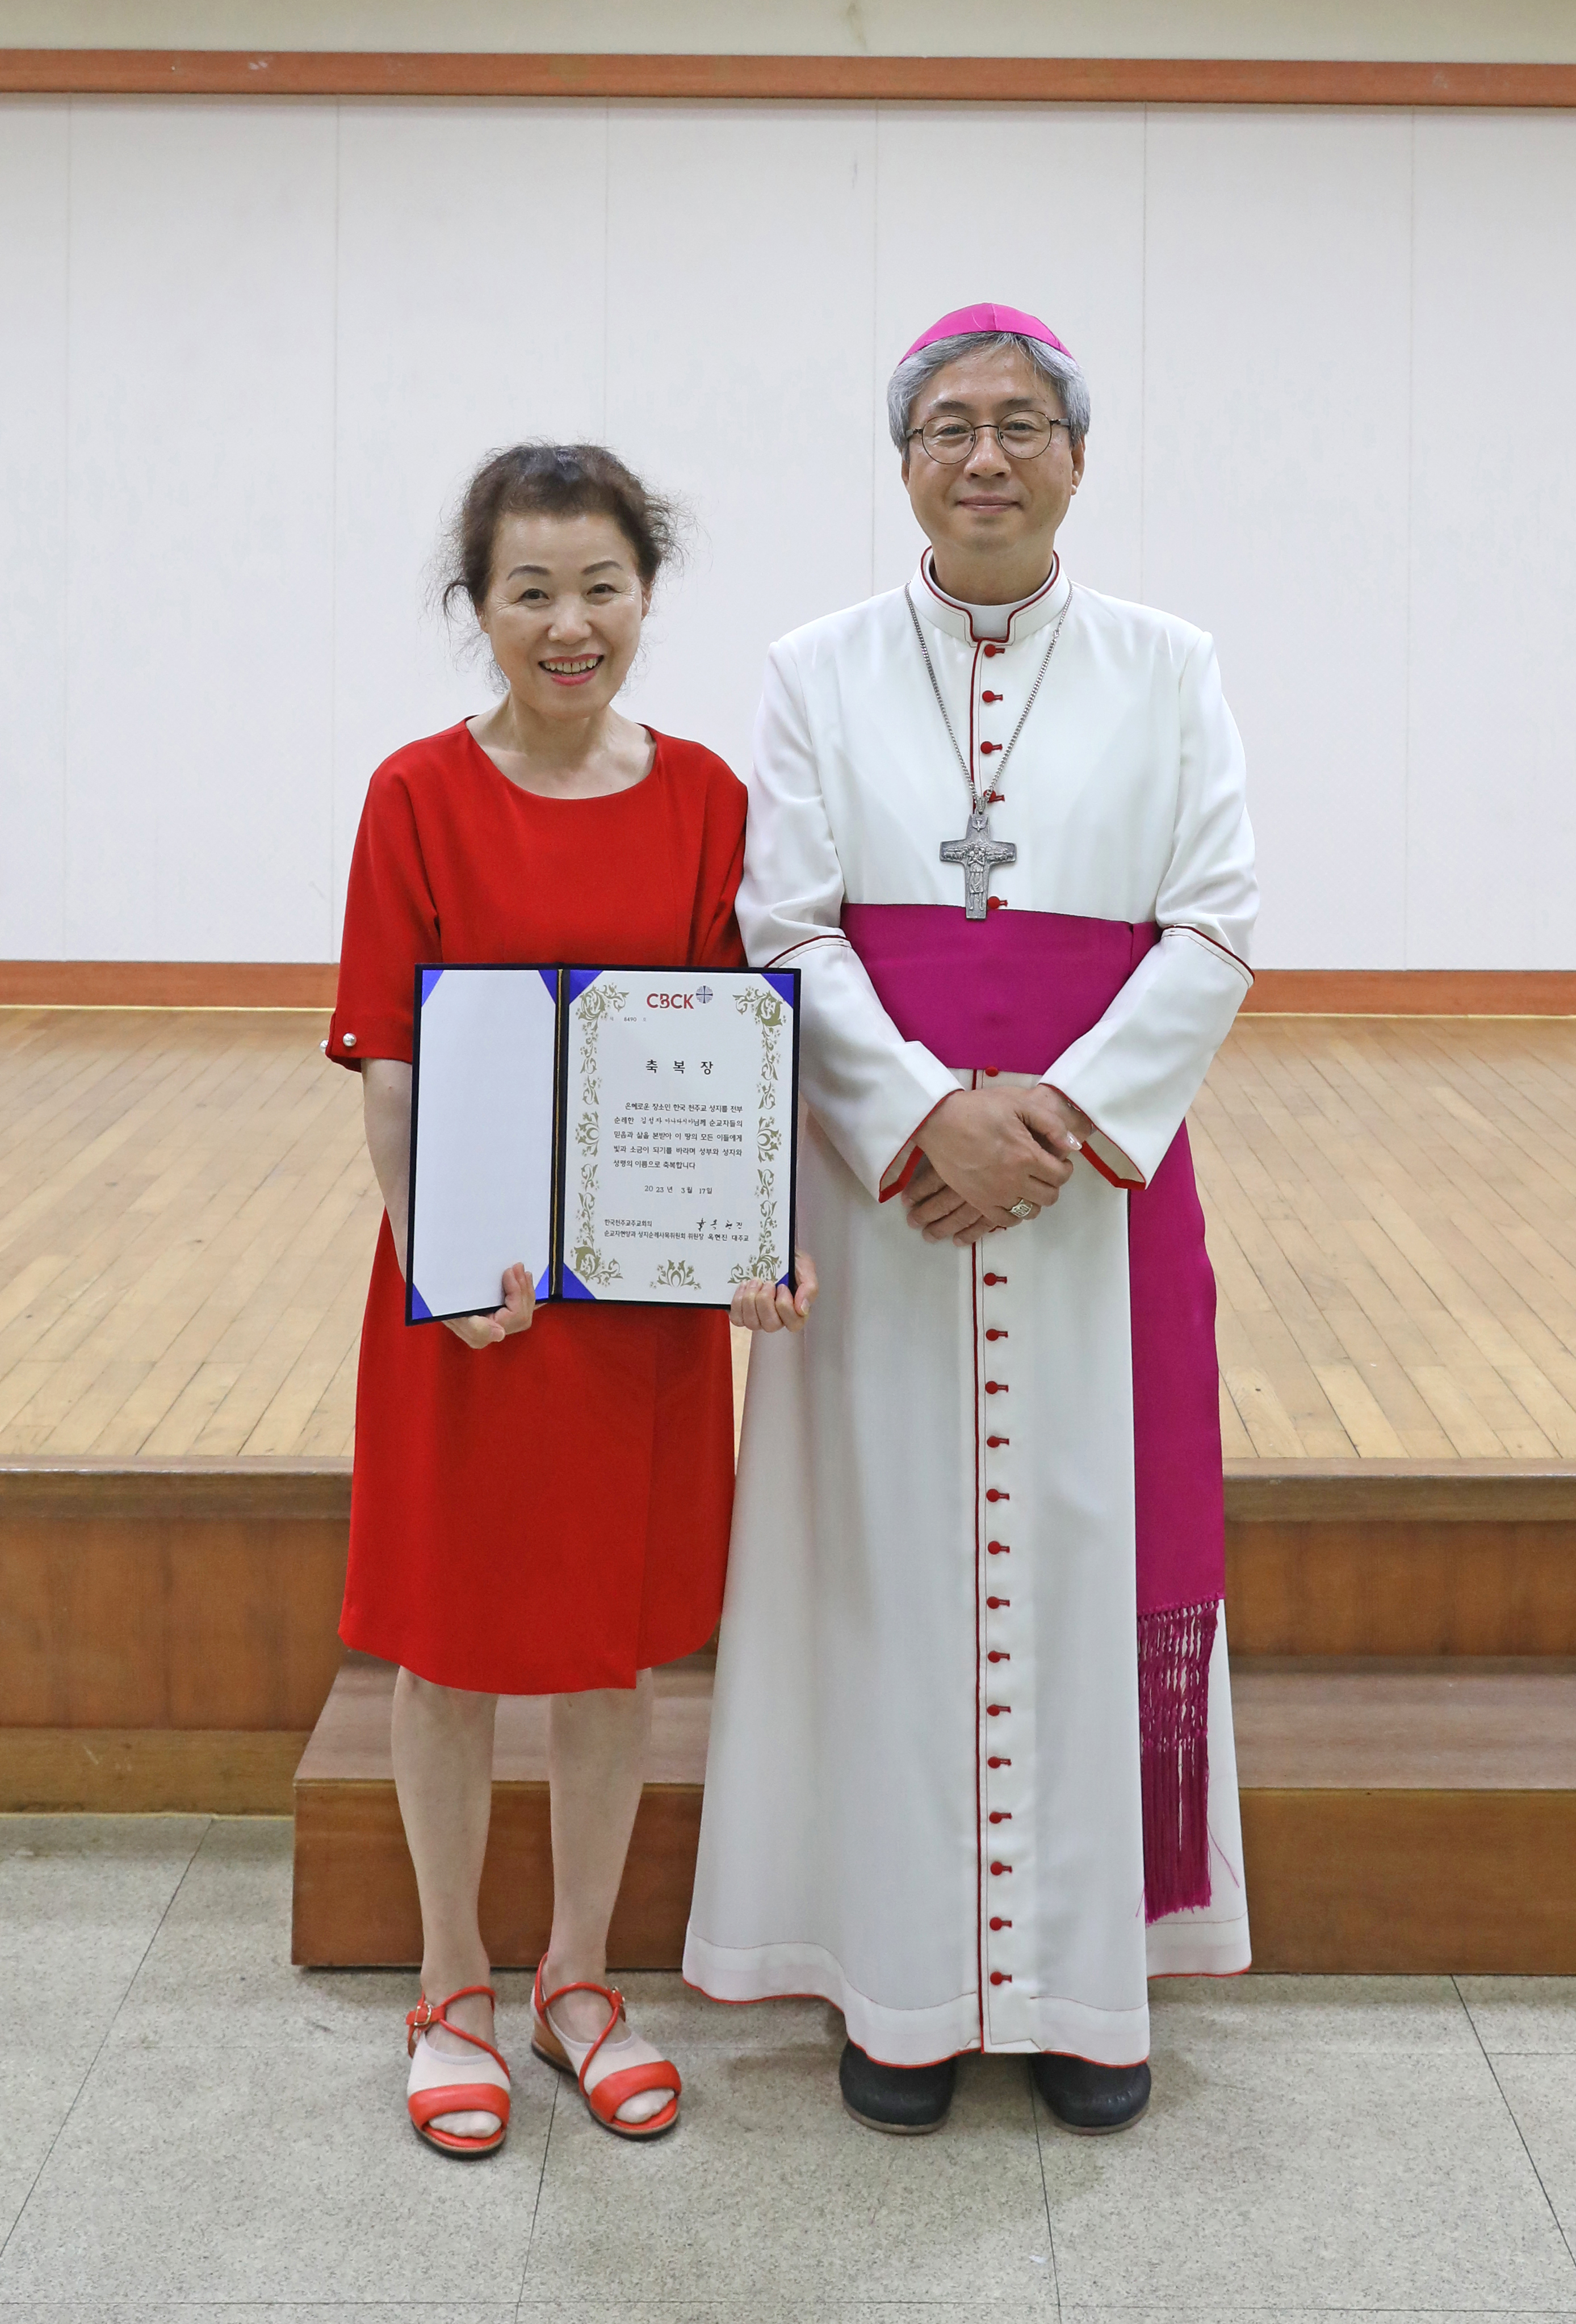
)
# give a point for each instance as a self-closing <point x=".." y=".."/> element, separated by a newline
<point x="923" y="1796"/>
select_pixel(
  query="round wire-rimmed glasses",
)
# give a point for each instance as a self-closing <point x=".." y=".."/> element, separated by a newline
<point x="1024" y="436"/>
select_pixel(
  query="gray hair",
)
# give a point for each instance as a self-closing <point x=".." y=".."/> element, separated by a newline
<point x="915" y="370"/>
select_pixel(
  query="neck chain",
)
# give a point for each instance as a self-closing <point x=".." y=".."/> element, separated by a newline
<point x="977" y="797"/>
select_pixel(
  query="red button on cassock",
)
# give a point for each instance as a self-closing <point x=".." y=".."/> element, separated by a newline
<point x="989" y="697"/>
<point x="995" y="1493"/>
<point x="994" y="798"/>
<point x="1001" y="1815"/>
<point x="991" y="653"/>
<point x="995" y="1278"/>
<point x="997" y="1332"/>
<point x="998" y="1549"/>
<point x="1000" y="1977"/>
<point x="998" y="1923"/>
<point x="998" y="1762"/>
<point x="994" y="1440"/>
<point x="999" y="1868"/>
<point x="998" y="1710"/>
<point x="986" y="749"/>
<point x="991" y="1072"/>
<point x="994" y="1602"/>
<point x="995" y="1388"/>
<point x="996" y="903"/>
<point x="996" y="1656"/>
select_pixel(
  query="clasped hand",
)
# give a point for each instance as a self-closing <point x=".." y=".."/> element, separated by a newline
<point x="986" y="1149"/>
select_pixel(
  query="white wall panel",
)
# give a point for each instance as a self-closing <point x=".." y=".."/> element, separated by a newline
<point x="200" y="530"/>
<point x="34" y="146"/>
<point x="1274" y="489"/>
<point x="1063" y="190"/>
<point x="740" y="291"/>
<point x="472" y="269"/>
<point x="1493" y="863"/>
<point x="252" y="351"/>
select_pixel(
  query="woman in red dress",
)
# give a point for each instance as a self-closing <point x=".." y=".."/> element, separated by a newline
<point x="540" y="1503"/>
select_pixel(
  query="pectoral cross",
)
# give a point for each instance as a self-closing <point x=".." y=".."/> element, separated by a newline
<point x="980" y="855"/>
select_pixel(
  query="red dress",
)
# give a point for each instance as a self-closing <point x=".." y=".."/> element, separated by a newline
<point x="551" y="1514"/>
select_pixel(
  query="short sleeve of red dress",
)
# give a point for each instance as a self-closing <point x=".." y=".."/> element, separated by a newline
<point x="391" y="922"/>
<point x="551" y="1514"/>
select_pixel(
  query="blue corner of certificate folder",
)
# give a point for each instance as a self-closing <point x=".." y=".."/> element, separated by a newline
<point x="572" y="1287"/>
<point x="421" y="1312"/>
<point x="429" y="977"/>
<point x="782" y="981"/>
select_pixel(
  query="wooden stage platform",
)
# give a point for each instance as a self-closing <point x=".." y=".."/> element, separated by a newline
<point x="186" y="1224"/>
<point x="187" y="1215"/>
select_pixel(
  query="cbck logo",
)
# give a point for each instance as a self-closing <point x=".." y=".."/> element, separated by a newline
<point x="701" y="995"/>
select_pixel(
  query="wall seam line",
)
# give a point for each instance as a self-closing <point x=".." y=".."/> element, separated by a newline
<point x="63" y="920"/>
<point x="1144" y="360"/>
<point x="876" y="422"/>
<point x="1411" y="496"/>
<point x="334" y="837"/>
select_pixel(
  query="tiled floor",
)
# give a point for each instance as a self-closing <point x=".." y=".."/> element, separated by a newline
<point x="191" y="2129"/>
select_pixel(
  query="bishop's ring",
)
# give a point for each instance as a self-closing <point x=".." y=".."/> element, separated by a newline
<point x="1022" y="1210"/>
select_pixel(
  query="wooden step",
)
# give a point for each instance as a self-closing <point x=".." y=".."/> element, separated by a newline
<point x="1402" y="1817"/>
<point x="1401" y="1558"/>
<point x="201" y="1598"/>
<point x="355" y="1893"/>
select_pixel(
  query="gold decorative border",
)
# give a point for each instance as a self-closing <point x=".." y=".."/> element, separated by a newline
<point x="587" y="1010"/>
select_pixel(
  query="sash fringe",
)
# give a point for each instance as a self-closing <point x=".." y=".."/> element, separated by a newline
<point x="1175" y="1647"/>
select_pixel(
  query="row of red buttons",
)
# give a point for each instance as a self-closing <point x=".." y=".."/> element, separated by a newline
<point x="996" y="1549"/>
<point x="992" y="798"/>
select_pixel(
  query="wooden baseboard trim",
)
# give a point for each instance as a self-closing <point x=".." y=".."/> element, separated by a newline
<point x="147" y="1771"/>
<point x="167" y="984"/>
<point x="1412" y="992"/>
<point x="974" y="80"/>
<point x="310" y="984"/>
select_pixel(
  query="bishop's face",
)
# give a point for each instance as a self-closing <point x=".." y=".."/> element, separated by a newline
<point x="991" y="520"/>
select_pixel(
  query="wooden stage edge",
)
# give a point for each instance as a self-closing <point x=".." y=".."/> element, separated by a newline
<point x="863" y="79"/>
<point x="1428" y="1828"/>
<point x="309" y="984"/>
<point x="1258" y="1492"/>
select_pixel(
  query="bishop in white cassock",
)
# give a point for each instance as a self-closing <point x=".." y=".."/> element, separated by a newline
<point x="971" y="1775"/>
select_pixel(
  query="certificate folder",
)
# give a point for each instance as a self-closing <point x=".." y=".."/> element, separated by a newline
<point x="626" y="1134"/>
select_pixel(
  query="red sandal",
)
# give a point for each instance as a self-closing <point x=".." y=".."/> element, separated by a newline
<point x="427" y="2094"/>
<point x="614" y="2090"/>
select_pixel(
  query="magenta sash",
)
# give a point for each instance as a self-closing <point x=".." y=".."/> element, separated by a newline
<point x="1013" y="994"/>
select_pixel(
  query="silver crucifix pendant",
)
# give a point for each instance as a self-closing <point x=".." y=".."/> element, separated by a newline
<point x="980" y="855"/>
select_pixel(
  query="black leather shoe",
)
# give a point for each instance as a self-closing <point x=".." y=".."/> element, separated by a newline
<point x="906" y="2100"/>
<point x="1091" y="2098"/>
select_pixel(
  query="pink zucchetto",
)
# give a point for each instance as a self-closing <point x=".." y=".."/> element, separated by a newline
<point x="990" y="319"/>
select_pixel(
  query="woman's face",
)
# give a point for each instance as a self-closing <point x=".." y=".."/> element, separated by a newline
<point x="564" y="611"/>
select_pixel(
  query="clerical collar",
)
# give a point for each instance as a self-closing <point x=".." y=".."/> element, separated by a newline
<point x="977" y="623"/>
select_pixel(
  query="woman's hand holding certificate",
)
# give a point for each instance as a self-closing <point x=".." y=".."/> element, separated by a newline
<point x="772" y="1307"/>
<point x="515" y="1314"/>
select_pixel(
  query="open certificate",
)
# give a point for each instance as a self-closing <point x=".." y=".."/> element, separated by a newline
<point x="624" y="1133"/>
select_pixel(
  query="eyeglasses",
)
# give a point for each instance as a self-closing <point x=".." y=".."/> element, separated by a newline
<point x="1024" y="436"/>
